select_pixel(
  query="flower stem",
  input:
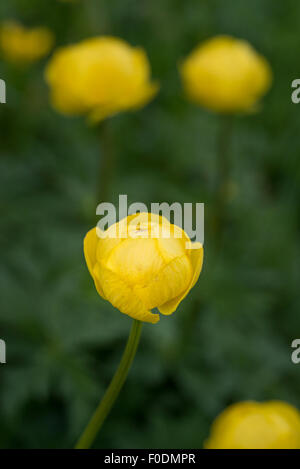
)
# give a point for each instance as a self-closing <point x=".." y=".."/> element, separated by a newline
<point x="106" y="164"/>
<point x="223" y="172"/>
<point x="113" y="390"/>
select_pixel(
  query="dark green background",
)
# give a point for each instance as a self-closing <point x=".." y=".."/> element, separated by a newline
<point x="230" y="339"/>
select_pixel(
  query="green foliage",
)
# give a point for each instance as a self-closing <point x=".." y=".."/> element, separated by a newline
<point x="230" y="339"/>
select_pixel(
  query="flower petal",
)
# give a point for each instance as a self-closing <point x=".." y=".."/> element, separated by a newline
<point x="196" y="258"/>
<point x="90" y="248"/>
<point x="121" y="295"/>
<point x="169" y="282"/>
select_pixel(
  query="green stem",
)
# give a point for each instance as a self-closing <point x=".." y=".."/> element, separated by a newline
<point x="112" y="392"/>
<point x="106" y="165"/>
<point x="223" y="172"/>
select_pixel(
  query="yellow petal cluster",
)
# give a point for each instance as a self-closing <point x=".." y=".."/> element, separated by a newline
<point x="226" y="75"/>
<point x="99" y="77"/>
<point x="24" y="45"/>
<point x="254" y="425"/>
<point x="141" y="263"/>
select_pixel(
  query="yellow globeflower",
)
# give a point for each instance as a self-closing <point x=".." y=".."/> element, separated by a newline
<point x="254" y="425"/>
<point x="21" y="45"/>
<point x="226" y="75"/>
<point x="99" y="77"/>
<point x="141" y="263"/>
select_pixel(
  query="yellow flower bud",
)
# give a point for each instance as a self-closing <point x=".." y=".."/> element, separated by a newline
<point x="143" y="262"/>
<point x="226" y="75"/>
<point x="99" y="77"/>
<point x="254" y="425"/>
<point x="21" y="45"/>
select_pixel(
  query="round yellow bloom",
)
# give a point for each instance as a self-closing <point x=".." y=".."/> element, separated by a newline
<point x="254" y="425"/>
<point x="143" y="262"/>
<point x="99" y="77"/>
<point x="226" y="75"/>
<point x="21" y="45"/>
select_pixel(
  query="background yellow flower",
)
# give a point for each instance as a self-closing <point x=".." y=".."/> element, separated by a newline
<point x="225" y="75"/>
<point x="24" y="45"/>
<point x="99" y="77"/>
<point x="137" y="267"/>
<point x="254" y="425"/>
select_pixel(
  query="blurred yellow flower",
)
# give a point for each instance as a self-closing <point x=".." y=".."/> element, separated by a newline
<point x="99" y="77"/>
<point x="143" y="262"/>
<point x="226" y="75"/>
<point x="21" y="45"/>
<point x="254" y="425"/>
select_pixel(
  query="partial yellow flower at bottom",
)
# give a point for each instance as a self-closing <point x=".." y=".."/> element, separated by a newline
<point x="99" y="77"/>
<point x="141" y="263"/>
<point x="254" y="425"/>
<point x="24" y="45"/>
<point x="226" y="75"/>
